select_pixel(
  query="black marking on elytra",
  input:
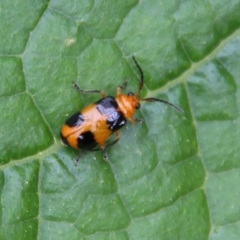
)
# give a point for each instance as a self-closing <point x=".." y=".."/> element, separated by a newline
<point x="64" y="141"/>
<point x="86" y="140"/>
<point x="106" y="105"/>
<point x="75" y="120"/>
<point x="116" y="121"/>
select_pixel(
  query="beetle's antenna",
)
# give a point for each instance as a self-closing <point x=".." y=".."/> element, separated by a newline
<point x="163" y="101"/>
<point x="141" y="80"/>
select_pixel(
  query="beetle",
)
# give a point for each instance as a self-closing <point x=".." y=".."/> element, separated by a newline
<point x="90" y="128"/>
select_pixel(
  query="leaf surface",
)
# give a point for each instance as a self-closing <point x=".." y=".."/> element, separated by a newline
<point x="176" y="175"/>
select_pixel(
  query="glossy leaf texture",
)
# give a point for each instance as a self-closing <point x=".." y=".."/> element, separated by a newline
<point x="175" y="175"/>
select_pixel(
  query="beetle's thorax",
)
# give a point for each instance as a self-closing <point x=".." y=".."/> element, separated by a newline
<point x="127" y="104"/>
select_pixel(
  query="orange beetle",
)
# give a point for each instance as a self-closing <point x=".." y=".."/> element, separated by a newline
<point x="95" y="123"/>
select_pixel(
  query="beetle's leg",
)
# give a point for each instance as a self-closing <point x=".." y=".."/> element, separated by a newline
<point x="98" y="149"/>
<point x="135" y="120"/>
<point x="115" y="141"/>
<point x="124" y="86"/>
<point x="78" y="158"/>
<point x="103" y="148"/>
<point x="94" y="149"/>
<point x="104" y="154"/>
<point x="103" y="94"/>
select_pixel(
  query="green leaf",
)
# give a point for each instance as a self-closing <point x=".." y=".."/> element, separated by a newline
<point x="175" y="175"/>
